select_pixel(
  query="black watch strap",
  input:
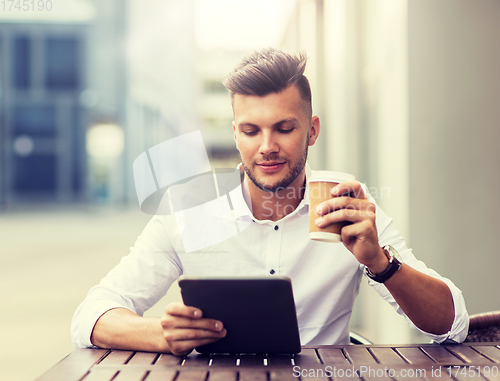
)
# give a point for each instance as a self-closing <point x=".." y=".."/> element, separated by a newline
<point x="394" y="265"/>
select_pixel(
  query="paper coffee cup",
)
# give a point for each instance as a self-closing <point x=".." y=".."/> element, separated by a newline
<point x="320" y="184"/>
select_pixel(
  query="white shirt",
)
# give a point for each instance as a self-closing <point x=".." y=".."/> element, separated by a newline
<point x="325" y="276"/>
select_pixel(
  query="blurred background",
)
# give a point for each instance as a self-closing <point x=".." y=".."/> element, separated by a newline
<point x="408" y="94"/>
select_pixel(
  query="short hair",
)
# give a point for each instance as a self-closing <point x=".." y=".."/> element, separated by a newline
<point x="270" y="71"/>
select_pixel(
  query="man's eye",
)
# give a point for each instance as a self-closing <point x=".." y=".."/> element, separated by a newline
<point x="250" y="133"/>
<point x="285" y="131"/>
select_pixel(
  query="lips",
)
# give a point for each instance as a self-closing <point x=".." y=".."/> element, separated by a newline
<point x="271" y="166"/>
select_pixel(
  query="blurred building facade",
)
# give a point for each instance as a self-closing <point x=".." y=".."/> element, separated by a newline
<point x="43" y="73"/>
<point x="58" y="78"/>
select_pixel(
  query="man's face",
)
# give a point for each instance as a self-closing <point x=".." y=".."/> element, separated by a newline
<point x="272" y="134"/>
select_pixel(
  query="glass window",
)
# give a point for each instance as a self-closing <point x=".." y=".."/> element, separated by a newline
<point x="35" y="120"/>
<point x="21" y="60"/>
<point x="35" y="174"/>
<point x="77" y="148"/>
<point x="61" y="62"/>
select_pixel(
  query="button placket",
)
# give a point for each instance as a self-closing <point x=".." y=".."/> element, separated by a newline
<point x="274" y="249"/>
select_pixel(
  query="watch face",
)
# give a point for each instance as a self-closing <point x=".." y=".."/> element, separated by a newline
<point x="394" y="253"/>
<point x="398" y="257"/>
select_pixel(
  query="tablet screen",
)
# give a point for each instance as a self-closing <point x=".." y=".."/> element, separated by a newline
<point x="258" y="313"/>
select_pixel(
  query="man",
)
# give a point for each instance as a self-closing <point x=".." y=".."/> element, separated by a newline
<point x="273" y="128"/>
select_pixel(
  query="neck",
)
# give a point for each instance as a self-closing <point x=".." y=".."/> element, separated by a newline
<point x="275" y="205"/>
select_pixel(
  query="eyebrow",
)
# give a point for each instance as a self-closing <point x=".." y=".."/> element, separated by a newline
<point x="288" y="120"/>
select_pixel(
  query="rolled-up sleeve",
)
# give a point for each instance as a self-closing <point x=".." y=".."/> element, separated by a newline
<point x="389" y="235"/>
<point x="136" y="283"/>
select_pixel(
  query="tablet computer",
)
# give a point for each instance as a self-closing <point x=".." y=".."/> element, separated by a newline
<point x="258" y="313"/>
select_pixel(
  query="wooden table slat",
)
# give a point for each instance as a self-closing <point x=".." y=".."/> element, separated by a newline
<point x="359" y="355"/>
<point x="469" y="355"/>
<point x="251" y="360"/>
<point x="257" y="374"/>
<point x="287" y="375"/>
<point x="196" y="360"/>
<point x="492" y="352"/>
<point x="117" y="357"/>
<point x="221" y="375"/>
<point x="161" y="375"/>
<point x="415" y="378"/>
<point x="192" y="375"/>
<point x="74" y="366"/>
<point x="441" y="354"/>
<point x="168" y="360"/>
<point x="276" y="360"/>
<point x="130" y="375"/>
<point x="387" y="356"/>
<point x="380" y="378"/>
<point x="140" y="358"/>
<point x="343" y="376"/>
<point x="415" y="356"/>
<point x="223" y="361"/>
<point x="101" y="374"/>
<point x="307" y="356"/>
<point x="332" y="356"/>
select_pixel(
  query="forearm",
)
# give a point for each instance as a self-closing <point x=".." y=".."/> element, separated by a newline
<point x="120" y="328"/>
<point x="426" y="301"/>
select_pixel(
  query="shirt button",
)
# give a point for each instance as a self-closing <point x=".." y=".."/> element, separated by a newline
<point x="276" y="227"/>
<point x="271" y="272"/>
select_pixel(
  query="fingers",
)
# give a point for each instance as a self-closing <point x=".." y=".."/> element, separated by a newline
<point x="348" y="203"/>
<point x="348" y="194"/>
<point x="180" y="309"/>
<point x="178" y="322"/>
<point x="197" y="335"/>
<point x="337" y="203"/>
<point x="348" y="214"/>
<point x="344" y="209"/>
<point x="184" y="328"/>
<point x="363" y="230"/>
<point x="349" y="188"/>
<point x="178" y="315"/>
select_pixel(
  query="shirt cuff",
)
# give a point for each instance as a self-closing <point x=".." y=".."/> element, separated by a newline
<point x="460" y="326"/>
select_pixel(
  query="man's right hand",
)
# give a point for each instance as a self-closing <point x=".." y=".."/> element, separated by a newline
<point x="184" y="328"/>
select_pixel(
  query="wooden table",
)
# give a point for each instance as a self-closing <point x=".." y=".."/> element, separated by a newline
<point x="326" y="362"/>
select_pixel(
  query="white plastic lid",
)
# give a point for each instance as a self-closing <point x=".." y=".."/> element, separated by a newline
<point x="330" y="176"/>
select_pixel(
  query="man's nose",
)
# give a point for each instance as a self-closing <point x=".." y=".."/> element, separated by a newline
<point x="268" y="144"/>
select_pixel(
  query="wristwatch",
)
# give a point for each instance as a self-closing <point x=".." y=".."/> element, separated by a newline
<point x="395" y="263"/>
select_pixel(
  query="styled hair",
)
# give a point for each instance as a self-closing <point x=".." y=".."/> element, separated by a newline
<point x="270" y="71"/>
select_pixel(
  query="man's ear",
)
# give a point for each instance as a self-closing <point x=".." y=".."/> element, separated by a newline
<point x="234" y="131"/>
<point x="315" y="127"/>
